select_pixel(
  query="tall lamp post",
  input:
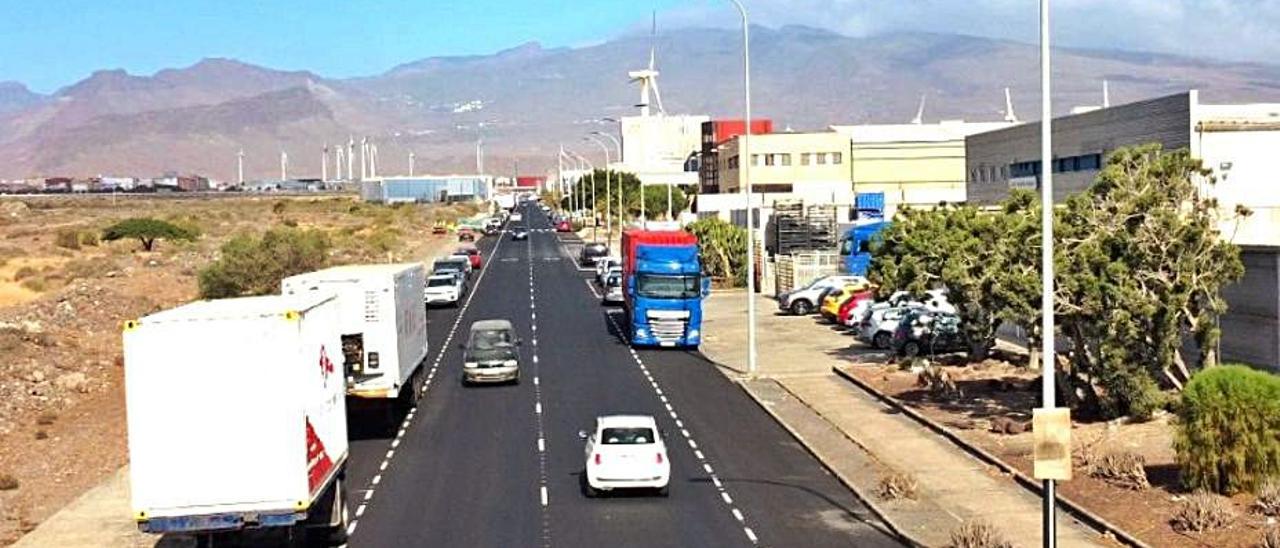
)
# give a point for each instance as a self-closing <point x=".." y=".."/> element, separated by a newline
<point x="608" y="188"/>
<point x="1047" y="351"/>
<point x="617" y="147"/>
<point x="594" y="231"/>
<point x="744" y="160"/>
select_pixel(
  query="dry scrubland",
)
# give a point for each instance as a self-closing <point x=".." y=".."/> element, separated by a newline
<point x="64" y="293"/>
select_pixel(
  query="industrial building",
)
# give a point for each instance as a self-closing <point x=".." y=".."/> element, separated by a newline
<point x="714" y="134"/>
<point x="1238" y="143"/>
<point x="427" y="189"/>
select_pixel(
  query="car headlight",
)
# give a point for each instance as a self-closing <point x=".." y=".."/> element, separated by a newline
<point x="640" y="332"/>
<point x="470" y="365"/>
<point x="509" y="363"/>
<point x="693" y="333"/>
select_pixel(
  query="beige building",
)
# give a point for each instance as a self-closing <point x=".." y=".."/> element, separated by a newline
<point x="913" y="164"/>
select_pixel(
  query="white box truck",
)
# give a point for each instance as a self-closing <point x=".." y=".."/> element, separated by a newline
<point x="383" y="326"/>
<point x="237" y="416"/>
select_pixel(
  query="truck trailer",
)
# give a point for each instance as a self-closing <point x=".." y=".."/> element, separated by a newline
<point x="663" y="288"/>
<point x="237" y="417"/>
<point x="383" y="327"/>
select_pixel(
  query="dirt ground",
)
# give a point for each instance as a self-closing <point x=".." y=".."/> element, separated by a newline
<point x="996" y="391"/>
<point x="62" y="416"/>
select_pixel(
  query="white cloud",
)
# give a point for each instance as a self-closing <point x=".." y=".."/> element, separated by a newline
<point x="1243" y="30"/>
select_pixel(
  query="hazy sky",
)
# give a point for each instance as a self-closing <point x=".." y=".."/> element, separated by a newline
<point x="48" y="44"/>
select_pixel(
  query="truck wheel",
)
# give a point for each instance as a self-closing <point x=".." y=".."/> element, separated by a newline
<point x="881" y="340"/>
<point x="801" y="307"/>
<point x="417" y="383"/>
<point x="340" y="517"/>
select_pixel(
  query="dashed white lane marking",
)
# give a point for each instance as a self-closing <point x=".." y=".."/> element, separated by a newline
<point x="542" y="445"/>
<point x="706" y="466"/>
<point x="360" y="510"/>
<point x="543" y="479"/>
<point x="544" y="495"/>
<point x="537" y="408"/>
<point x="431" y="374"/>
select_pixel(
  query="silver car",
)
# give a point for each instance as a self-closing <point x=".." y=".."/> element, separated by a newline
<point x="491" y="353"/>
<point x="880" y="322"/>
<point x="612" y="290"/>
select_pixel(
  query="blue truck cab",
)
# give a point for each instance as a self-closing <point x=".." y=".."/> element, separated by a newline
<point x="855" y="243"/>
<point x="663" y="287"/>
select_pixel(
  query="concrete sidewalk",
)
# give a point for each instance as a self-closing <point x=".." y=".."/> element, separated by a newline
<point x="100" y="517"/>
<point x="860" y="438"/>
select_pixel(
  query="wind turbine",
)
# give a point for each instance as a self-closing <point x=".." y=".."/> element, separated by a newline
<point x="919" y="119"/>
<point x="648" y="78"/>
<point x="240" y="166"/>
<point x="373" y="160"/>
<point x="324" y="164"/>
<point x="1009" y="116"/>
<point x="284" y="166"/>
<point x="1106" y="95"/>
<point x="351" y="158"/>
<point x="412" y="157"/>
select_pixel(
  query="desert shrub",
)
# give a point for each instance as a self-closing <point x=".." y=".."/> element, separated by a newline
<point x="89" y="238"/>
<point x="1202" y="511"/>
<point x="1228" y="434"/>
<point x="382" y="240"/>
<point x="147" y="231"/>
<point x="67" y="238"/>
<point x="35" y="284"/>
<point x="289" y="223"/>
<point x="87" y="268"/>
<point x="978" y="534"/>
<point x="24" y="273"/>
<point x="42" y="435"/>
<point x="1268" y="502"/>
<point x="1122" y="469"/>
<point x="279" y="207"/>
<point x="8" y="482"/>
<point x="46" y="418"/>
<point x="897" y="486"/>
<point x="255" y="266"/>
<point x="1270" y="538"/>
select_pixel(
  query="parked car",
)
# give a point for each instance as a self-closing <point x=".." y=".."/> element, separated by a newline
<point x="519" y="234"/>
<point x="491" y="354"/>
<point x="439" y="228"/>
<point x="466" y="235"/>
<point x="591" y="252"/>
<point x="851" y="309"/>
<point x="625" y="452"/>
<point x="878" y="325"/>
<point x="604" y="265"/>
<point x="612" y="288"/>
<point x="804" y="300"/>
<point x="928" y="332"/>
<point x="443" y="289"/>
<point x="831" y="303"/>
<point x="473" y="255"/>
<point x="517" y="217"/>
<point x="563" y="226"/>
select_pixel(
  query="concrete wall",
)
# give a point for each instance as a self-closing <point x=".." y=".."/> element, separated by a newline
<point x="1251" y="327"/>
<point x="918" y="174"/>
<point x="797" y="174"/>
<point x="1165" y="120"/>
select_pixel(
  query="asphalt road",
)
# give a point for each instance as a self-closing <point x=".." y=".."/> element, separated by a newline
<point x="500" y="466"/>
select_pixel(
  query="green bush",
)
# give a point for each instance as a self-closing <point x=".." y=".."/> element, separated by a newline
<point x="255" y="266"/>
<point x="1228" y="437"/>
<point x="723" y="249"/>
<point x="147" y="231"/>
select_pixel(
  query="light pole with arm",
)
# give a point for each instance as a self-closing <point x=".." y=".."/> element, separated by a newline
<point x="594" y="233"/>
<point x="608" y="188"/>
<point x="744" y="161"/>
<point x="618" y="147"/>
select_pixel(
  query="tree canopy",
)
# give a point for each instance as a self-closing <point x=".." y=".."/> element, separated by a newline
<point x="147" y="231"/>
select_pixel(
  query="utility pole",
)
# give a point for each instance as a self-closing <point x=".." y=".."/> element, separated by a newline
<point x="744" y="161"/>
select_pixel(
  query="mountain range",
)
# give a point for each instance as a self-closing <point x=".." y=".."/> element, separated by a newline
<point x="525" y="101"/>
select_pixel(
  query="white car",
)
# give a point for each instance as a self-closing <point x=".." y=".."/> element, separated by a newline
<point x="626" y="452"/>
<point x="612" y="289"/>
<point x="442" y="289"/>
<point x="804" y="300"/>
<point x="603" y="265"/>
<point x="877" y="326"/>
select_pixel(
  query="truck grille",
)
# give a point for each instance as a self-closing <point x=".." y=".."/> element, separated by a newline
<point x="667" y="329"/>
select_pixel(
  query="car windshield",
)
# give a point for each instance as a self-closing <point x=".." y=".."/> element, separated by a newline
<point x="667" y="287"/>
<point x="627" y="436"/>
<point x="613" y="281"/>
<point x="447" y="267"/>
<point x="846" y="246"/>
<point x="492" y="345"/>
<point x="595" y="251"/>
<point x="439" y="282"/>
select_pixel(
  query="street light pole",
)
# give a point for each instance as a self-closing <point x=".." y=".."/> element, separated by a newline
<point x="1047" y="351"/>
<point x="618" y="147"/>
<point x="583" y="160"/>
<point x="745" y="154"/>
<point x="608" y="190"/>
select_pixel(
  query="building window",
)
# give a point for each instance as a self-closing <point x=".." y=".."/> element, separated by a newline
<point x="755" y="160"/>
<point x="786" y="159"/>
<point x="1090" y="162"/>
<point x="821" y="157"/>
<point x="776" y="188"/>
<point x="805" y="158"/>
<point x="836" y="158"/>
<point x="732" y="162"/>
<point x="770" y="159"/>
<point x="1004" y="172"/>
<point x="982" y="174"/>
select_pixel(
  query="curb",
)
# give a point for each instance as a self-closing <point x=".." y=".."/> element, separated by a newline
<point x="1031" y="484"/>
<point x="865" y="498"/>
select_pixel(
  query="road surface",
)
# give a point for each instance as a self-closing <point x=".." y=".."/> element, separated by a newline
<point x="500" y="466"/>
